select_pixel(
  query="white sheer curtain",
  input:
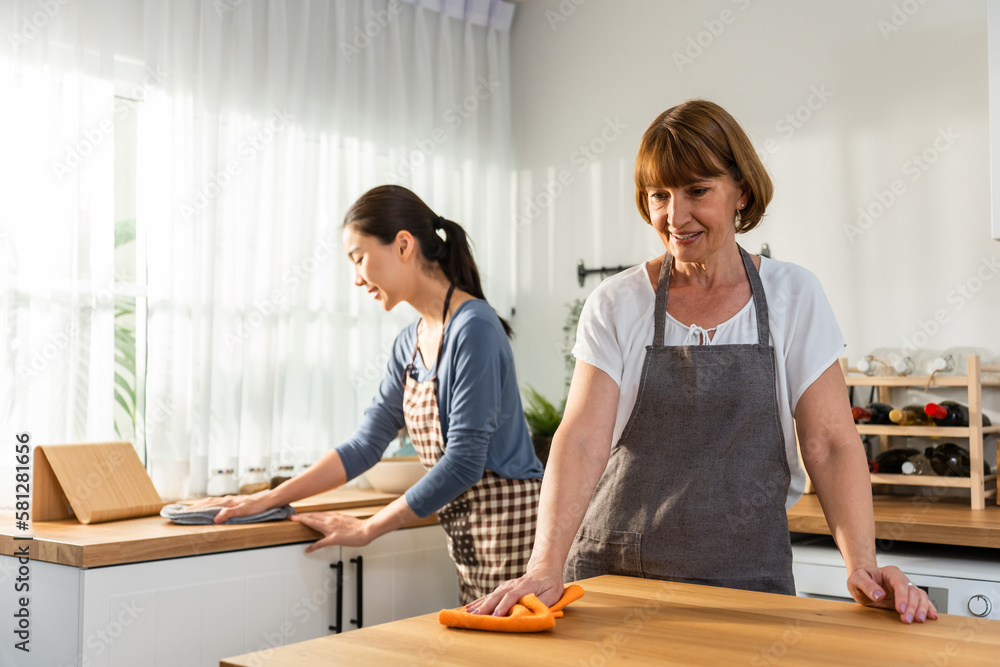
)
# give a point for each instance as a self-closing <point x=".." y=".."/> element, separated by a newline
<point x="58" y="288"/>
<point x="272" y="117"/>
<point x="222" y="141"/>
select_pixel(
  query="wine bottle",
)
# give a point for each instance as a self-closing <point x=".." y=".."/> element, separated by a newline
<point x="891" y="461"/>
<point x="911" y="415"/>
<point x="950" y="460"/>
<point x="917" y="464"/>
<point x="876" y="413"/>
<point x="904" y="366"/>
<point x="943" y="364"/>
<point x="955" y="360"/>
<point x="880" y="361"/>
<point x="950" y="413"/>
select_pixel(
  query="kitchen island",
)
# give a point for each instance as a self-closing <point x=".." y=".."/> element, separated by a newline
<point x="640" y="621"/>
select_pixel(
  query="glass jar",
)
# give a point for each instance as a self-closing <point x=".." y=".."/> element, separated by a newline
<point x="283" y="474"/>
<point x="222" y="482"/>
<point x="253" y="481"/>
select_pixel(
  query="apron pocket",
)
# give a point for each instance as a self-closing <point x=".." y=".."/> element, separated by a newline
<point x="599" y="551"/>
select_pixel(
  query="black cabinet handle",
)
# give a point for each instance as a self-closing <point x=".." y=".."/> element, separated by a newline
<point x="360" y="574"/>
<point x="339" y="567"/>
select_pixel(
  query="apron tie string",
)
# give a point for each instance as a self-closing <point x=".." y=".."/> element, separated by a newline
<point x="698" y="336"/>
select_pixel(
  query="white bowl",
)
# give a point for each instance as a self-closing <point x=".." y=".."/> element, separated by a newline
<point x="395" y="475"/>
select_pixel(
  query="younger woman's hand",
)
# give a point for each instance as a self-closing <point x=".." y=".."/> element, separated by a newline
<point x="234" y="506"/>
<point x="220" y="501"/>
<point x="336" y="528"/>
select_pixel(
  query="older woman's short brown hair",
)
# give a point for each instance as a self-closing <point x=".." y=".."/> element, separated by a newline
<point x="699" y="139"/>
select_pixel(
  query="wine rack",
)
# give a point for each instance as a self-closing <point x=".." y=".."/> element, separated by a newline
<point x="980" y="485"/>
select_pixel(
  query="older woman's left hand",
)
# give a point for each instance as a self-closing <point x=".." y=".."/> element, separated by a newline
<point x="337" y="529"/>
<point x="888" y="588"/>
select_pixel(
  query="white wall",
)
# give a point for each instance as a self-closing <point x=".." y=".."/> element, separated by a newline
<point x="887" y="97"/>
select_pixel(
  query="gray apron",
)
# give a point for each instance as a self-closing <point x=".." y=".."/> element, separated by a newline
<point x="695" y="488"/>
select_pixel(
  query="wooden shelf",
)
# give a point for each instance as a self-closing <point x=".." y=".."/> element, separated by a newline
<point x="894" y="381"/>
<point x="927" y="480"/>
<point x="925" y="431"/>
<point x="973" y="382"/>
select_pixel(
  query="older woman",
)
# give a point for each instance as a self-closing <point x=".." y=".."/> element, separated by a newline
<point x="676" y="457"/>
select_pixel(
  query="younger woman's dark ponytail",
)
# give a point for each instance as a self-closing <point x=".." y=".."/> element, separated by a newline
<point x="385" y="211"/>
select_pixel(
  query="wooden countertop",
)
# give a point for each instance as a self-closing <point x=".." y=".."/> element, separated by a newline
<point x="898" y="518"/>
<point x="68" y="542"/>
<point x="621" y="619"/>
<point x="913" y="519"/>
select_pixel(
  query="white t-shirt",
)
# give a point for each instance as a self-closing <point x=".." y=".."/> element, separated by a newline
<point x="616" y="325"/>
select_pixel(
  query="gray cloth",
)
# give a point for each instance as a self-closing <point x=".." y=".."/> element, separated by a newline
<point x="177" y="514"/>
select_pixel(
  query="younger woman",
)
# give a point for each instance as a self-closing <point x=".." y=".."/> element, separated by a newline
<point x="451" y="381"/>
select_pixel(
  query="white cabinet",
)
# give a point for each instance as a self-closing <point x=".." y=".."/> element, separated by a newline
<point x="197" y="610"/>
<point x="404" y="573"/>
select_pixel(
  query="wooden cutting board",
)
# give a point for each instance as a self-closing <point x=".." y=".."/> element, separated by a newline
<point x="99" y="481"/>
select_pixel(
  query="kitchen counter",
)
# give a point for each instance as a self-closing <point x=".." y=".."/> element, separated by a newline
<point x="647" y="621"/>
<point x="913" y="519"/>
<point x="68" y="542"/>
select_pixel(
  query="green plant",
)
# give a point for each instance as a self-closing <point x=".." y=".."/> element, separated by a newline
<point x="125" y="342"/>
<point x="542" y="416"/>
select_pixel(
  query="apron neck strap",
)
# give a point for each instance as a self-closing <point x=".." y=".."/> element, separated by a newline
<point x="660" y="314"/>
<point x="444" y="320"/>
<point x="759" y="300"/>
<point x="416" y="345"/>
<point x="663" y="284"/>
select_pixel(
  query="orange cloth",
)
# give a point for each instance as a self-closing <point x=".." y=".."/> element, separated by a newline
<point x="528" y="615"/>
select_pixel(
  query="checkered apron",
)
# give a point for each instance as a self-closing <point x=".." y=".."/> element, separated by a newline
<point x="490" y="527"/>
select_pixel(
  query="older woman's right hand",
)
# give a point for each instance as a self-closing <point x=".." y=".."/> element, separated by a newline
<point x="546" y="586"/>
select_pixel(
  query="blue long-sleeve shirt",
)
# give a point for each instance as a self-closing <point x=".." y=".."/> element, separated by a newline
<point x="482" y="420"/>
